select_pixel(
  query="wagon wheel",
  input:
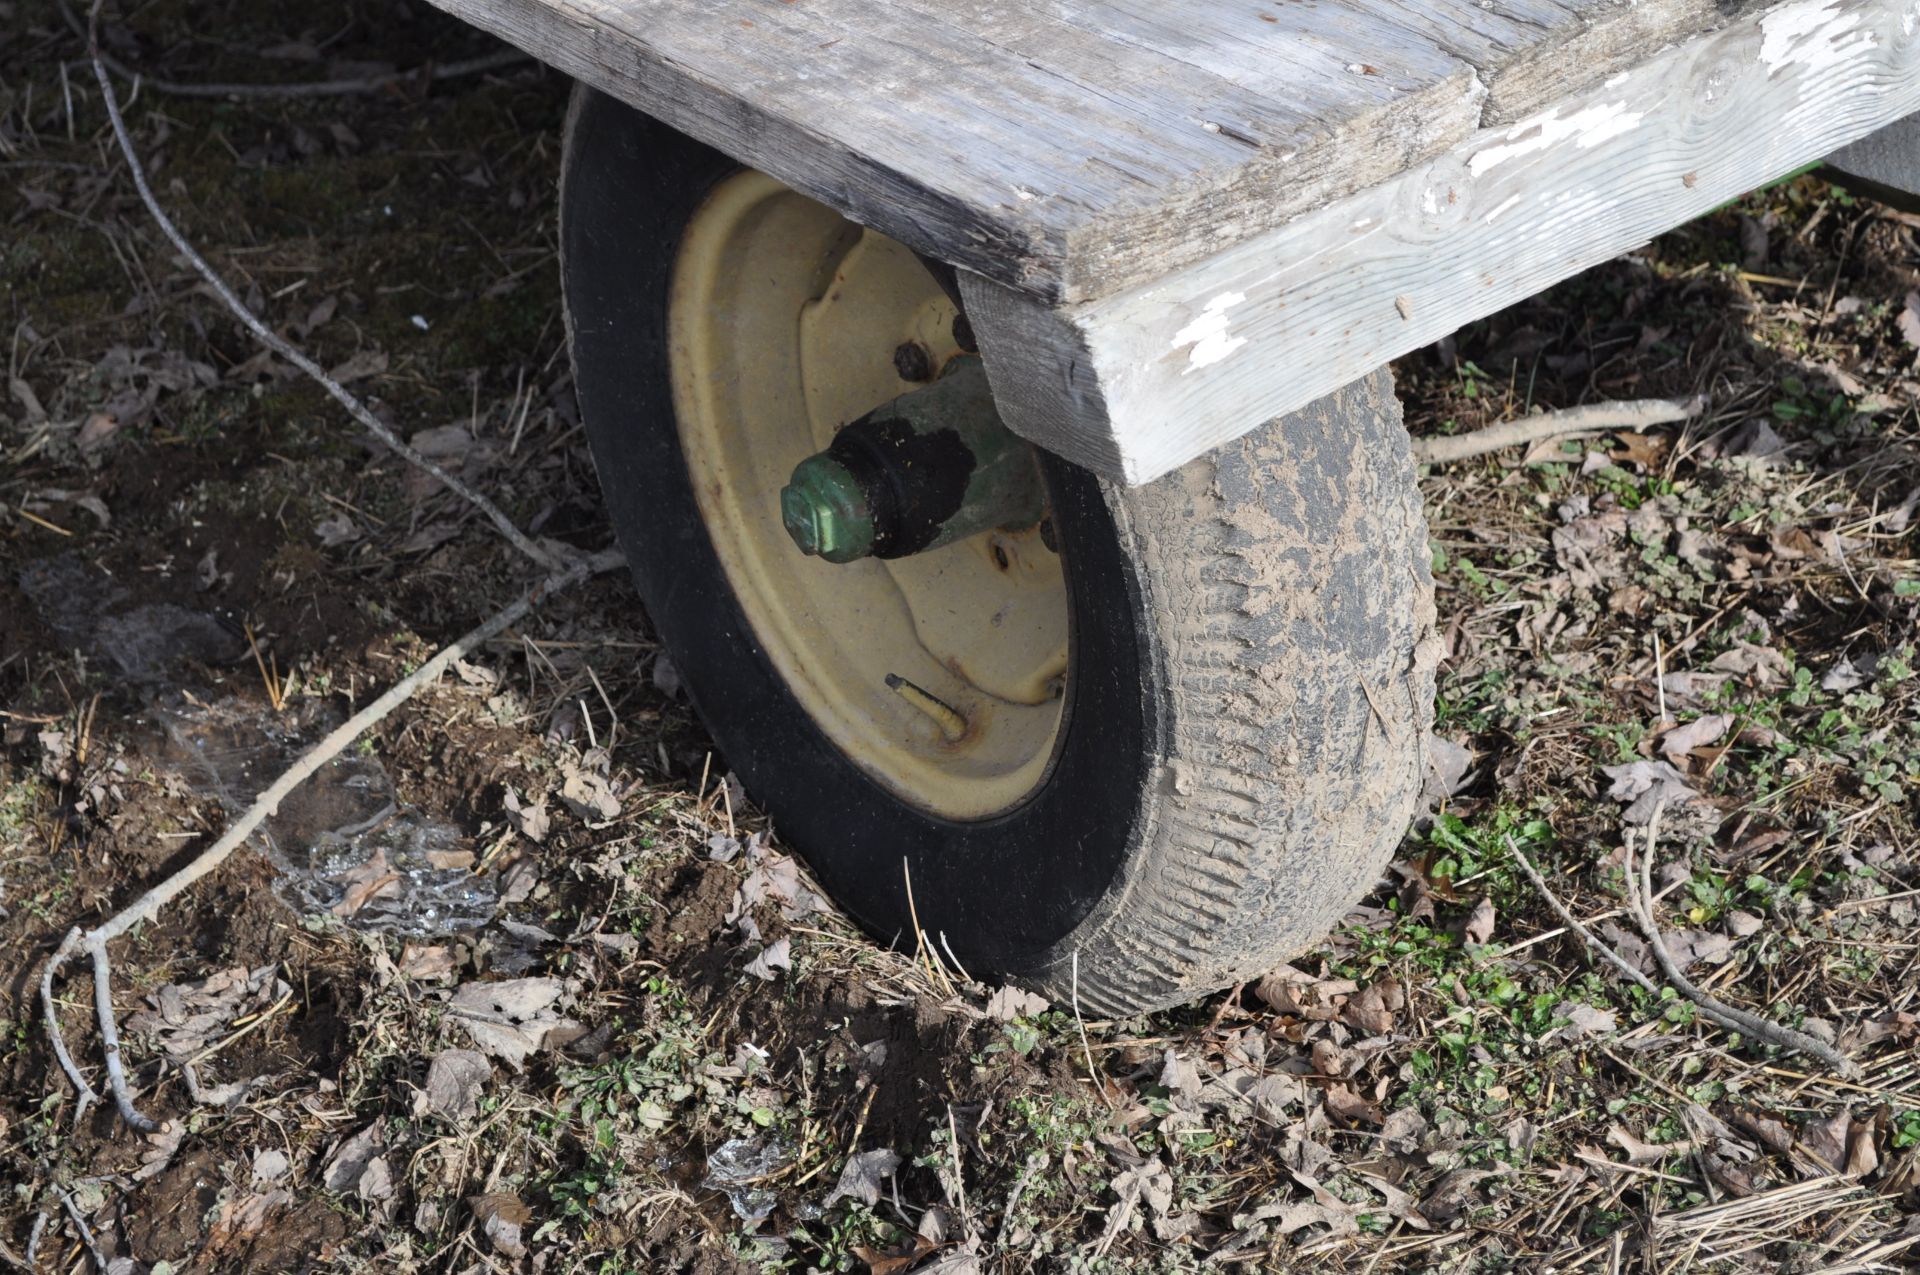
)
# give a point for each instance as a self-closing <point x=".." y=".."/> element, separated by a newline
<point x="1156" y="738"/>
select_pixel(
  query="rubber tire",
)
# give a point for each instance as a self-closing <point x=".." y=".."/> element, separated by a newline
<point x="1250" y="678"/>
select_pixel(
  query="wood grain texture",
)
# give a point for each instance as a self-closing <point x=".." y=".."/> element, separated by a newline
<point x="1139" y="382"/>
<point x="1889" y="158"/>
<point x="1069" y="149"/>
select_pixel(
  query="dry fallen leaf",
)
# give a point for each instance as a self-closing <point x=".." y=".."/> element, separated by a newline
<point x="776" y="880"/>
<point x="1646" y="786"/>
<point x="775" y="956"/>
<point x="1692" y="947"/>
<point x="187" y="1017"/>
<point x="270" y="1165"/>
<point x="1763" y="666"/>
<point x="1829" y="1139"/>
<point x="97" y="432"/>
<point x="515" y="1018"/>
<point x="1645" y="450"/>
<point x="1010" y="1003"/>
<point x="1910" y="320"/>
<point x="1583" y="1021"/>
<point x="162" y="1143"/>
<point x="1696" y="734"/>
<point x="352" y="1170"/>
<point x="1179" y="1075"/>
<point x="359" y="367"/>
<point x="530" y="821"/>
<point x="1292" y="991"/>
<point x="1480" y="922"/>
<point x="901" y="1258"/>
<point x="367" y="882"/>
<point x="1372" y="1009"/>
<point x="426" y="963"/>
<point x="501" y="1215"/>
<point x="336" y="531"/>
<point x="1147" y="1183"/>
<point x="588" y="794"/>
<point x="863" y="1177"/>
<point x="1639" y="1152"/>
<point x="1352" y="1107"/>
<point x="1447" y="766"/>
<point x="455" y="1079"/>
<point x="1453" y="1195"/>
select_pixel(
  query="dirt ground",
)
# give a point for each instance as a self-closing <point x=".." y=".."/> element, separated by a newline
<point x="525" y="983"/>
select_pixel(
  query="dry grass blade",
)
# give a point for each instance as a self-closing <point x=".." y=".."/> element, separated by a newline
<point x="1730" y="1230"/>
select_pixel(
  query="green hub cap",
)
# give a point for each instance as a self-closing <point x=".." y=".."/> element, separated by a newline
<point x="933" y="466"/>
<point x="826" y="511"/>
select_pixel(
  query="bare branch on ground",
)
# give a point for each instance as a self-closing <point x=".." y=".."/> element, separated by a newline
<point x="1598" y="418"/>
<point x="1639" y="890"/>
<point x="279" y="344"/>
<point x="1639" y="896"/>
<point x="148" y="905"/>
<point x="86" y="1232"/>
<point x="345" y="87"/>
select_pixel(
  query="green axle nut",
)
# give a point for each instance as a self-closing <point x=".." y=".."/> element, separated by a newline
<point x="933" y="466"/>
<point x="825" y="511"/>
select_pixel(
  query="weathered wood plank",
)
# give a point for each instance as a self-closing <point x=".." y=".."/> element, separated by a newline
<point x="1070" y="149"/>
<point x="1604" y="38"/>
<point x="1136" y="383"/>
<point x="1889" y="158"/>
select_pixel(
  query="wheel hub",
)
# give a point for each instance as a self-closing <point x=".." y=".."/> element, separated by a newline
<point x="926" y="632"/>
<point x="931" y="467"/>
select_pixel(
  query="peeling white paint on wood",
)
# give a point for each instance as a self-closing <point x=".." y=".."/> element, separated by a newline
<point x="1811" y="33"/>
<point x="1206" y="339"/>
<point x="1107" y="383"/>
<point x="1588" y="126"/>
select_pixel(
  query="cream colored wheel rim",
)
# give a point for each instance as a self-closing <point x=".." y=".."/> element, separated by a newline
<point x="782" y="326"/>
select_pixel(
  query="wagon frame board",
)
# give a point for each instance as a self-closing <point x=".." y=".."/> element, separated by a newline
<point x="1177" y="220"/>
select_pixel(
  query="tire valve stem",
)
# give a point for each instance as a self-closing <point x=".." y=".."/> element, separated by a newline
<point x="951" y="723"/>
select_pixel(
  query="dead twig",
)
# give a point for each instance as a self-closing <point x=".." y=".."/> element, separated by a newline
<point x="85" y="1232"/>
<point x="1597" y="418"/>
<point x="33" y="1239"/>
<point x="279" y="344"/>
<point x="148" y="906"/>
<point x="1587" y="936"/>
<point x="1638" y="890"/>
<point x="311" y="88"/>
<point x="1639" y="896"/>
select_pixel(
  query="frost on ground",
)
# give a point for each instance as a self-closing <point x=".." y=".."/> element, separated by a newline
<point x="528" y="984"/>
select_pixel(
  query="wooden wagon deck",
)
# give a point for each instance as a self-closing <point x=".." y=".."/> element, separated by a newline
<point x="1178" y="218"/>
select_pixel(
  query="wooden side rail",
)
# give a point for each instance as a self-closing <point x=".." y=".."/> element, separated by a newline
<point x="1135" y="384"/>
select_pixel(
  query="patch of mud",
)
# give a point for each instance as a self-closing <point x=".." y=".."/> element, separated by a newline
<point x="166" y="1223"/>
<point x="342" y="842"/>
